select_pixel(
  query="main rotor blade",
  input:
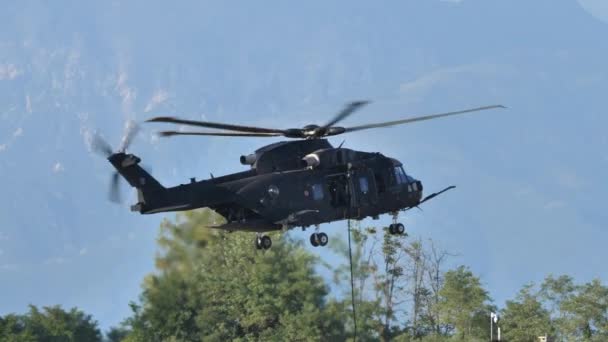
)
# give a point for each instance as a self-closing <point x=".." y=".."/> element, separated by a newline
<point x="131" y="130"/>
<point x="219" y="134"/>
<point x="419" y="118"/>
<point x="216" y="125"/>
<point x="101" y="146"/>
<point x="344" y="113"/>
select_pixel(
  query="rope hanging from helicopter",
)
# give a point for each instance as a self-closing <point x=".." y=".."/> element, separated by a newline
<point x="350" y="256"/>
<point x="352" y="282"/>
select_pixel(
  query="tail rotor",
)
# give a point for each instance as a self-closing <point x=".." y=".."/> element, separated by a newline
<point x="103" y="148"/>
<point x="131" y="130"/>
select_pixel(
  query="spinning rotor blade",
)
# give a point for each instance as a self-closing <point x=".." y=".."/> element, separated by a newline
<point x="219" y="134"/>
<point x="217" y="125"/>
<point x="114" y="194"/>
<point x="344" y="113"/>
<point x="418" y="118"/>
<point x="101" y="146"/>
<point x="131" y="130"/>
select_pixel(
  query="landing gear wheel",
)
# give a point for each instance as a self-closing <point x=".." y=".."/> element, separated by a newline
<point x="265" y="242"/>
<point x="323" y="239"/>
<point x="319" y="239"/>
<point x="314" y="239"/>
<point x="399" y="229"/>
<point x="396" y="229"/>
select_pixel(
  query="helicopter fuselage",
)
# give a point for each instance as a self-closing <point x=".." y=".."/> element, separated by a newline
<point x="289" y="184"/>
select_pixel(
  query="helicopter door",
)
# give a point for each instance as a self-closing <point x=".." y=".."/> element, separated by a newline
<point x="338" y="190"/>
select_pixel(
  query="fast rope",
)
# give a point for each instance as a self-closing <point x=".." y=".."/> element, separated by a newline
<point x="350" y="252"/>
<point x="352" y="282"/>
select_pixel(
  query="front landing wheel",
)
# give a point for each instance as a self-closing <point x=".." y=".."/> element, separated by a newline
<point x="319" y="239"/>
<point x="399" y="229"/>
<point x="396" y="229"/>
<point x="323" y="239"/>
<point x="314" y="239"/>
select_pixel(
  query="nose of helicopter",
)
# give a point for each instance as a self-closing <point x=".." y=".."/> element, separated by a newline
<point x="414" y="188"/>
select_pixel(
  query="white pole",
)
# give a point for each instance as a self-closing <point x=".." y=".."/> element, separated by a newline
<point x="491" y="326"/>
<point x="498" y="334"/>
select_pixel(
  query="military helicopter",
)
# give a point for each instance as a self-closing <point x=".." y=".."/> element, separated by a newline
<point x="299" y="183"/>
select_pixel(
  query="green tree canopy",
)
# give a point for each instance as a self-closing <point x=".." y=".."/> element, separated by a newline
<point x="49" y="324"/>
<point x="463" y="302"/>
<point x="211" y="285"/>
<point x="525" y="318"/>
<point x="587" y="312"/>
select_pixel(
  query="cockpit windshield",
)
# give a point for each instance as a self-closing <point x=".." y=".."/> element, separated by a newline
<point x="400" y="176"/>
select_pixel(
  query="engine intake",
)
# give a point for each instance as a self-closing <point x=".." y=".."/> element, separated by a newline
<point x="311" y="160"/>
<point x="249" y="159"/>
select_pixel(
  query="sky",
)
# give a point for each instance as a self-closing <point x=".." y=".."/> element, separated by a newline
<point x="530" y="179"/>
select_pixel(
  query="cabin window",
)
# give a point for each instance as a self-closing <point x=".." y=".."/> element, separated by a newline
<point x="317" y="192"/>
<point x="363" y="185"/>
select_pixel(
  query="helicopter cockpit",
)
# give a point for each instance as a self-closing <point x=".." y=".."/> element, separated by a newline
<point x="407" y="183"/>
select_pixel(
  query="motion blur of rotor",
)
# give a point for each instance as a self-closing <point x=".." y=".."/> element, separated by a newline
<point x="103" y="148"/>
<point x="307" y="132"/>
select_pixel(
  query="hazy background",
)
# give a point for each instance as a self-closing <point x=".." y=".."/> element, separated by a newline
<point x="531" y="180"/>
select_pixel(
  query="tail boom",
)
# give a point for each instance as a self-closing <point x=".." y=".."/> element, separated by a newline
<point x="153" y="198"/>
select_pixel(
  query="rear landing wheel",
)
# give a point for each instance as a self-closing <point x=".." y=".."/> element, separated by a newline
<point x="258" y="242"/>
<point x="263" y="242"/>
<point x="266" y="242"/>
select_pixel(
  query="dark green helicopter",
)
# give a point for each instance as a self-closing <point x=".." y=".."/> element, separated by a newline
<point x="299" y="183"/>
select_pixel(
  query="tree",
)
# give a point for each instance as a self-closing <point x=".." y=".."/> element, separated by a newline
<point x="525" y="318"/>
<point x="463" y="300"/>
<point x="117" y="334"/>
<point x="418" y="291"/>
<point x="13" y="328"/>
<point x="212" y="285"/>
<point x="579" y="312"/>
<point x="434" y="269"/>
<point x="587" y="312"/>
<point x="397" y="283"/>
<point x="51" y="324"/>
<point x="381" y="268"/>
